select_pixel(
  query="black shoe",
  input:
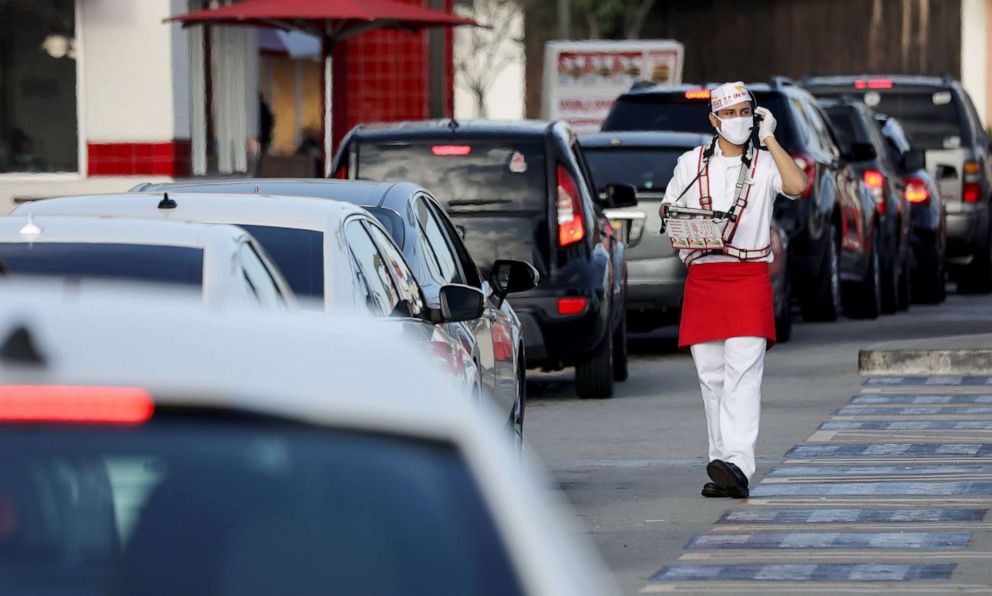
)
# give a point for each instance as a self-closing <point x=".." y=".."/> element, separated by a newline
<point x="713" y="491"/>
<point x="728" y="476"/>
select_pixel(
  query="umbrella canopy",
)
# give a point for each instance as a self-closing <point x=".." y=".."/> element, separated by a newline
<point x="335" y="18"/>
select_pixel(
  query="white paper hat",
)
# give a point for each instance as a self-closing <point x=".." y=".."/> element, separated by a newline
<point x="727" y="95"/>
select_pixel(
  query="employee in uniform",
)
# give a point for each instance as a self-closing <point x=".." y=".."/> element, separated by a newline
<point x="727" y="314"/>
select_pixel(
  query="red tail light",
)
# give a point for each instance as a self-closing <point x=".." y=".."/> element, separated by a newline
<point x="875" y="182"/>
<point x="917" y="191"/>
<point x="571" y="306"/>
<point x="873" y="84"/>
<point x="971" y="193"/>
<point x="571" y="228"/>
<point x="75" y="404"/>
<point x="808" y="165"/>
<point x="342" y="172"/>
<point x="448" y="150"/>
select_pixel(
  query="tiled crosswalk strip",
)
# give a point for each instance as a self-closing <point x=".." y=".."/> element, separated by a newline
<point x="921" y="399"/>
<point x="815" y="572"/>
<point x="833" y="540"/>
<point x="937" y="380"/>
<point x="878" y="471"/>
<point x="817" y="450"/>
<point x="851" y="515"/>
<point x="913" y="410"/>
<point x="874" y="489"/>
<point x="907" y="425"/>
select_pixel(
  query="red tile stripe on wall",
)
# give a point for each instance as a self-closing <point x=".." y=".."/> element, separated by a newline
<point x="167" y="158"/>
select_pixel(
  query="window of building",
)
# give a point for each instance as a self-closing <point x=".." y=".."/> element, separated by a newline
<point x="38" y="126"/>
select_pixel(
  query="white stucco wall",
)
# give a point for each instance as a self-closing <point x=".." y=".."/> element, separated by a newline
<point x="974" y="52"/>
<point x="505" y="99"/>
<point x="135" y="71"/>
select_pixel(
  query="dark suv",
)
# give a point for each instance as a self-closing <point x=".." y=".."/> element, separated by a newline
<point x="828" y="230"/>
<point x="521" y="190"/>
<point x="942" y="120"/>
<point x="862" y="142"/>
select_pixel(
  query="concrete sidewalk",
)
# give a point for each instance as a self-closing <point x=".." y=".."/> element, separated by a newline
<point x="951" y="355"/>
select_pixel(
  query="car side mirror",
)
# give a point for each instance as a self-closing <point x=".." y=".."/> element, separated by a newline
<point x="861" y="152"/>
<point x="620" y="195"/>
<point x="913" y="160"/>
<point x="945" y="171"/>
<point x="509" y="276"/>
<point x="459" y="303"/>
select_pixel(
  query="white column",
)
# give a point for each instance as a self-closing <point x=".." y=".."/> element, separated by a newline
<point x="974" y="50"/>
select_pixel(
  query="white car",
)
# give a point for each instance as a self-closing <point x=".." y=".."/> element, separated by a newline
<point x="151" y="447"/>
<point x="224" y="262"/>
<point x="329" y="251"/>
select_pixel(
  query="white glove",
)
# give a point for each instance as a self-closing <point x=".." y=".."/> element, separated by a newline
<point x="767" y="126"/>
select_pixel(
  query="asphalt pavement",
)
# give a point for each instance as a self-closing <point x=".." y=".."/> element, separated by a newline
<point x="862" y="486"/>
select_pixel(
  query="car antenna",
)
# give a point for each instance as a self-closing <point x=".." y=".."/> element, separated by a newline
<point x="166" y="202"/>
<point x="19" y="348"/>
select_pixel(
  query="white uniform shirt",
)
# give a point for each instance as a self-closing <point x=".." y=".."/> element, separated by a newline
<point x="754" y="224"/>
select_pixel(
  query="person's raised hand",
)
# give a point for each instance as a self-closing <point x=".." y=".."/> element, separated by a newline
<point x="767" y="126"/>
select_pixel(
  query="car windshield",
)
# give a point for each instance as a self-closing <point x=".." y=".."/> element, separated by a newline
<point x="847" y="128"/>
<point x="236" y="505"/>
<point x="138" y="262"/>
<point x="645" y="169"/>
<point x="929" y="115"/>
<point x="673" y="111"/>
<point x="298" y="253"/>
<point x="478" y="174"/>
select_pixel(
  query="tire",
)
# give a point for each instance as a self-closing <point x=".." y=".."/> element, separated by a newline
<point x="620" y="372"/>
<point x="928" y="279"/>
<point x="783" y="317"/>
<point x="516" y="422"/>
<point x="905" y="295"/>
<point x="977" y="277"/>
<point x="890" y="287"/>
<point x="863" y="300"/>
<point x="594" y="376"/>
<point x="822" y="301"/>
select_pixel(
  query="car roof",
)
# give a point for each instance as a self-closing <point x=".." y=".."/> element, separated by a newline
<point x="899" y="79"/>
<point x="103" y="230"/>
<point x="357" y="192"/>
<point x="645" y="139"/>
<point x="243" y="209"/>
<point x="777" y="84"/>
<point x="451" y="127"/>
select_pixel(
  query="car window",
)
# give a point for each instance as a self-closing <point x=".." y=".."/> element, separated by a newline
<point x="406" y="283"/>
<point x="382" y="297"/>
<point x="437" y="244"/>
<point x="805" y="129"/>
<point x="298" y="253"/>
<point x="470" y="270"/>
<point x="261" y="283"/>
<point x="819" y="128"/>
<point x="976" y="121"/>
<point x="139" y="262"/>
<point x="647" y="169"/>
<point x="223" y="504"/>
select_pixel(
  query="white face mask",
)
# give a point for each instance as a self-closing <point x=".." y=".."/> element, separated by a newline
<point x="736" y="130"/>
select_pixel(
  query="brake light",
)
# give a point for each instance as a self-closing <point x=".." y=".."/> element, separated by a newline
<point x="447" y="150"/>
<point x="342" y="172"/>
<point x="873" y="84"/>
<point x="808" y="165"/>
<point x="875" y="182"/>
<point x="917" y="191"/>
<point x="571" y="228"/>
<point x="971" y="192"/>
<point x="697" y="94"/>
<point x="571" y="306"/>
<point x="75" y="404"/>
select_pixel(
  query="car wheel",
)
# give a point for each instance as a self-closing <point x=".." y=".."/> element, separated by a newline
<point x="977" y="277"/>
<point x="516" y="422"/>
<point x="620" y="372"/>
<point x="594" y="376"/>
<point x="928" y="277"/>
<point x="905" y="286"/>
<point x="863" y="300"/>
<point x="890" y="286"/>
<point x="822" y="302"/>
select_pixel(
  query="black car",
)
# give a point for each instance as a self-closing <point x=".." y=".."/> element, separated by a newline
<point x="521" y="190"/>
<point x="862" y="143"/>
<point x="928" y="237"/>
<point x="942" y="120"/>
<point x="828" y="230"/>
<point x="656" y="275"/>
<point x="437" y="257"/>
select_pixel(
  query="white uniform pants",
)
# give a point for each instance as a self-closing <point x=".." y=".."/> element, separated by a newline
<point x="730" y="374"/>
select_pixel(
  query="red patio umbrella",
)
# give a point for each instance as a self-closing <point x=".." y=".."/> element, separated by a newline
<point x="331" y="20"/>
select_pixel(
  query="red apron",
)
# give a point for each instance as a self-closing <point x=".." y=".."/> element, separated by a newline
<point x="724" y="300"/>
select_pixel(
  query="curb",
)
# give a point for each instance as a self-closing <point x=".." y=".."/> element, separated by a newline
<point x="971" y="361"/>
